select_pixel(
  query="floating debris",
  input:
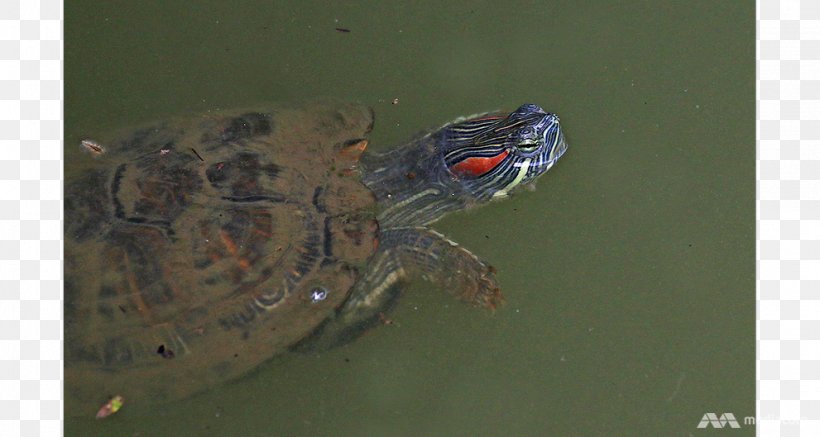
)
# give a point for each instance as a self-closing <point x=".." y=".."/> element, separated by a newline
<point x="92" y="148"/>
<point x="111" y="407"/>
<point x="197" y="154"/>
<point x="165" y="352"/>
<point x="384" y="320"/>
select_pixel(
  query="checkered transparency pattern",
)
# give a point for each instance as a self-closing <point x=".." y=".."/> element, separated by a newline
<point x="789" y="217"/>
<point x="788" y="226"/>
<point x="30" y="217"/>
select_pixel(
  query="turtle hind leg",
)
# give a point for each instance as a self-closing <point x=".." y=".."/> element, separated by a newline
<point x="404" y="255"/>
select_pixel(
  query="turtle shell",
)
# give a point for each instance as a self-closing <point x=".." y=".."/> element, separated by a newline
<point x="199" y="247"/>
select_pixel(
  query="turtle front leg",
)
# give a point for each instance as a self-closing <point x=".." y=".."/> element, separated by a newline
<point x="404" y="255"/>
<point x="423" y="253"/>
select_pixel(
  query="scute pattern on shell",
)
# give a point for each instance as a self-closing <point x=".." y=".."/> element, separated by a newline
<point x="205" y="235"/>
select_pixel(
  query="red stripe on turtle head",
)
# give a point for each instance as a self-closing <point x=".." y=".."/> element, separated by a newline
<point x="477" y="166"/>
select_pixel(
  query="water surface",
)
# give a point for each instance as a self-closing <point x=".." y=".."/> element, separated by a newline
<point x="628" y="273"/>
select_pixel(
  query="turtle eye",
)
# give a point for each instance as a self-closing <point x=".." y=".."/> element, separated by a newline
<point x="526" y="132"/>
<point x="527" y="145"/>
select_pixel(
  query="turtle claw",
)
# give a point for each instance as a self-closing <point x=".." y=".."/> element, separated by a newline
<point x="477" y="285"/>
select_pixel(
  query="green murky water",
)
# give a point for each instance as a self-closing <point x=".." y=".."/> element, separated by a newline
<point x="629" y="273"/>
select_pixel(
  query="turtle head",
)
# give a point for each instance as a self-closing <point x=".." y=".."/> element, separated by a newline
<point x="492" y="154"/>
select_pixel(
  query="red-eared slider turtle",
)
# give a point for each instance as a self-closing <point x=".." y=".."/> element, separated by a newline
<point x="200" y="247"/>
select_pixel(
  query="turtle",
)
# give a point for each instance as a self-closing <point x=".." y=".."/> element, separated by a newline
<point x="199" y="247"/>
